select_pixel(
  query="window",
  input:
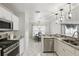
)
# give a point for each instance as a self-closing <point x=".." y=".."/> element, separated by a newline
<point x="37" y="29"/>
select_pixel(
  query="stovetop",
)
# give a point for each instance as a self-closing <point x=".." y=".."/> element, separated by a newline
<point x="6" y="43"/>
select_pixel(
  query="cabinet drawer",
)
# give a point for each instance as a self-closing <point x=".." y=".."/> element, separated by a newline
<point x="69" y="49"/>
<point x="64" y="49"/>
<point x="76" y="52"/>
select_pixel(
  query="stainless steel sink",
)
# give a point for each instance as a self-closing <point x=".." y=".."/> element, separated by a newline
<point x="58" y="35"/>
<point x="68" y="40"/>
<point x="73" y="42"/>
<point x="77" y="44"/>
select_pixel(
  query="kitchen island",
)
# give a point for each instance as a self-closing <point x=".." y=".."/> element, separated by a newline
<point x="47" y="44"/>
<point x="61" y="46"/>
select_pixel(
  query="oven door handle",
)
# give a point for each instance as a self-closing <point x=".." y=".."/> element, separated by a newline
<point x="10" y="47"/>
<point x="6" y="53"/>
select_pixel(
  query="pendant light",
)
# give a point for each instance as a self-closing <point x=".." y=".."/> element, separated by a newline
<point x="39" y="23"/>
<point x="69" y="13"/>
<point x="61" y="15"/>
<point x="56" y="15"/>
<point x="56" y="18"/>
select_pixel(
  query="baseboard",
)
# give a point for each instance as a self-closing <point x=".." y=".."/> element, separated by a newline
<point x="48" y="52"/>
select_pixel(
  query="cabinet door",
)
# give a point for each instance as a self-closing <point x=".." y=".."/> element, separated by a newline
<point x="15" y="22"/>
<point x="63" y="49"/>
<point x="76" y="52"/>
<point x="59" y="48"/>
<point x="48" y="44"/>
<point x="21" y="46"/>
<point x="55" y="45"/>
<point x="69" y="51"/>
<point x="5" y="14"/>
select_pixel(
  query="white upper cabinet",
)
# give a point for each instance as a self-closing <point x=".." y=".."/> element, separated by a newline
<point x="7" y="15"/>
<point x="15" y="20"/>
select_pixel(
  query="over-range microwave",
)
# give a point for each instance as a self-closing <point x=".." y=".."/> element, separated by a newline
<point x="5" y="24"/>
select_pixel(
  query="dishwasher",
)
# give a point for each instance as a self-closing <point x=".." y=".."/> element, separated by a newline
<point x="48" y="45"/>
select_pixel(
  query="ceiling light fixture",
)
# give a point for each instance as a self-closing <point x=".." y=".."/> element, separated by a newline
<point x="69" y="13"/>
<point x="61" y="16"/>
<point x="37" y="11"/>
<point x="56" y="15"/>
<point x="57" y="18"/>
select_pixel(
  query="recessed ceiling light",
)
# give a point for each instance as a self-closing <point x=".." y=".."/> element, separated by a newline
<point x="37" y="11"/>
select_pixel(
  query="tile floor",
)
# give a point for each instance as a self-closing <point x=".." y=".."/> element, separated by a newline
<point x="35" y="49"/>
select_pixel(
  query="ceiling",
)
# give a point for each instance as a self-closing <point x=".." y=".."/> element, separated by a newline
<point x="22" y="7"/>
<point x="44" y="8"/>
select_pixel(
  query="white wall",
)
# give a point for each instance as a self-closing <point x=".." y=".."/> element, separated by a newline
<point x="22" y="23"/>
<point x="52" y="27"/>
<point x="47" y="28"/>
<point x="27" y="29"/>
<point x="55" y="28"/>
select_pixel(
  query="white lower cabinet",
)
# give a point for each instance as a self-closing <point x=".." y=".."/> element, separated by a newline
<point x="77" y="52"/>
<point x="60" y="50"/>
<point x="21" y="46"/>
<point x="68" y="50"/>
<point x="55" y="45"/>
<point x="58" y="47"/>
<point x="63" y="49"/>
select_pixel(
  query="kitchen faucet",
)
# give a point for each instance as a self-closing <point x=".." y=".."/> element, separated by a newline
<point x="74" y="34"/>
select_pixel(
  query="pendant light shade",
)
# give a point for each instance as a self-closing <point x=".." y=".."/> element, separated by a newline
<point x="56" y="18"/>
<point x="61" y="19"/>
<point x="61" y="16"/>
<point x="69" y="15"/>
<point x="69" y="12"/>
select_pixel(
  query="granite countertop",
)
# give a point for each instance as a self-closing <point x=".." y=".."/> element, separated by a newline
<point x="61" y="39"/>
<point x="48" y="37"/>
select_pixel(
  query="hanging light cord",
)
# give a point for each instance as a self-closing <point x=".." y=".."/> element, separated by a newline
<point x="56" y="15"/>
<point x="70" y="7"/>
<point x="61" y="14"/>
<point x="69" y="13"/>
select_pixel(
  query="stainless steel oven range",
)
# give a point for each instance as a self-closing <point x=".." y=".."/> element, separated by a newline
<point x="9" y="47"/>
